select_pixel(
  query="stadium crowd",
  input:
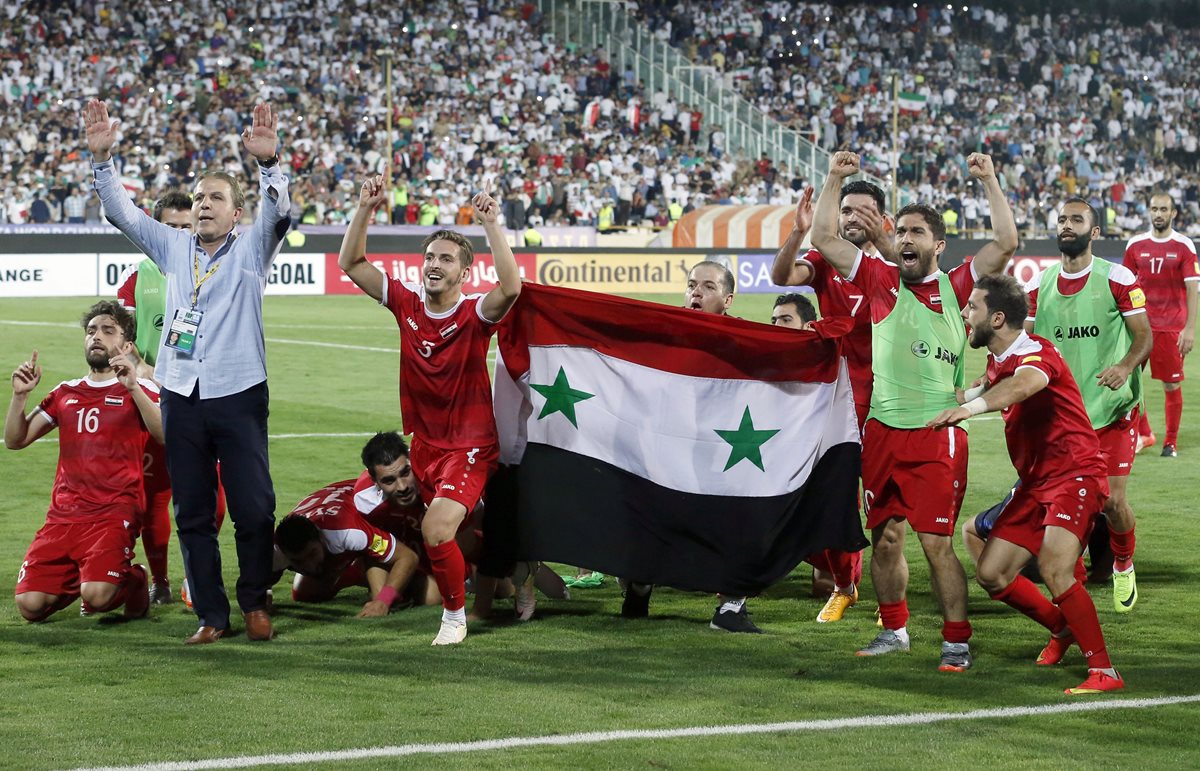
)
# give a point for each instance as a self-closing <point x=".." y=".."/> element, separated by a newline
<point x="1067" y="104"/>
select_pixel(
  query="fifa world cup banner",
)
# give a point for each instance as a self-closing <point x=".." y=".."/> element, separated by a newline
<point x="674" y="447"/>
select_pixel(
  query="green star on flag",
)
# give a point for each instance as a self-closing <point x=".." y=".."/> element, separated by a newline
<point x="560" y="397"/>
<point x="746" y="442"/>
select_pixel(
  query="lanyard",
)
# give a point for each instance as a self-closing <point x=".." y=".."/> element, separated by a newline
<point x="198" y="279"/>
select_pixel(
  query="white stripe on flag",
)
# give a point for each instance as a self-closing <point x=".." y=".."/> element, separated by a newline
<point x="663" y="427"/>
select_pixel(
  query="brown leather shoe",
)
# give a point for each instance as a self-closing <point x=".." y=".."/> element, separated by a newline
<point x="205" y="635"/>
<point x="258" y="625"/>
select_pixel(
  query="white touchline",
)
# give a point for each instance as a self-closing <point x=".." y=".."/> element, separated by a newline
<point x="598" y="737"/>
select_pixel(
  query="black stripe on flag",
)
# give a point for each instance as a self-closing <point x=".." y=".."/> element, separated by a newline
<point x="581" y="511"/>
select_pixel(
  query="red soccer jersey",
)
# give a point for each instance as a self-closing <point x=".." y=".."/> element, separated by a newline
<point x="1121" y="281"/>
<point x="1162" y="267"/>
<point x="402" y="522"/>
<point x="1049" y="435"/>
<point x="127" y="288"/>
<point x="100" y="450"/>
<point x="445" y="392"/>
<point x="880" y="281"/>
<point x="838" y="297"/>
<point x="347" y="535"/>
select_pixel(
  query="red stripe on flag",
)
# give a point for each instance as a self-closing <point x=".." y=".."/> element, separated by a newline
<point x="685" y="342"/>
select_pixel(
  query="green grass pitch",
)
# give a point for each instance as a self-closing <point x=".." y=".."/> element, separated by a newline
<point x="97" y="691"/>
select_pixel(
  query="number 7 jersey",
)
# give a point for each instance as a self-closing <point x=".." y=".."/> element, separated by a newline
<point x="445" y="391"/>
<point x="101" y="441"/>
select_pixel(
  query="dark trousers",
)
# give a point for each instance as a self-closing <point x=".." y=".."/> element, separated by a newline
<point x="233" y="430"/>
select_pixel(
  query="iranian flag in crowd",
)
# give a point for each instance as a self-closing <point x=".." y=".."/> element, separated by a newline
<point x="671" y="446"/>
<point x="908" y="101"/>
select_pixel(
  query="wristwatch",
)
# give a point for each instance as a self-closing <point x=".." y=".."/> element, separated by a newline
<point x="268" y="163"/>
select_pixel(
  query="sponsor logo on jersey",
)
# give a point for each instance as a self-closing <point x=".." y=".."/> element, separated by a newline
<point x="72" y="401"/>
<point x="1076" y="333"/>
<point x="920" y="349"/>
<point x="947" y="356"/>
<point x="114" y="574"/>
<point x="412" y="324"/>
<point x="942" y="520"/>
<point x="114" y="401"/>
<point x="1064" y="516"/>
<point x="447" y="331"/>
<point x="1137" y="297"/>
<point x="449" y="487"/>
<point x="378" y="545"/>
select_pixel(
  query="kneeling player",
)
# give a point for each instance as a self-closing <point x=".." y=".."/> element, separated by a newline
<point x="1063" y="478"/>
<point x="105" y="421"/>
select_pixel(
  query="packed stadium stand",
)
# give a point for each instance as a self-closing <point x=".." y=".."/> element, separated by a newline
<point x="1067" y="104"/>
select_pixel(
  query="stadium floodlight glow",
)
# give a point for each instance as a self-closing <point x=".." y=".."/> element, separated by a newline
<point x="795" y="32"/>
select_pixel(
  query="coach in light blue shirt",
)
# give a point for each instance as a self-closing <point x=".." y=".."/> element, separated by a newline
<point x="212" y="364"/>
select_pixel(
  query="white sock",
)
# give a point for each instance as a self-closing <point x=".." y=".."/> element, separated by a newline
<point x="1110" y="671"/>
<point x="455" y="616"/>
<point x="1130" y="570"/>
<point x="902" y="633"/>
<point x="847" y="590"/>
<point x="733" y="606"/>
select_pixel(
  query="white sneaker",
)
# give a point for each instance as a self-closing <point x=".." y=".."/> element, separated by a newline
<point x="450" y="634"/>
<point x="526" y="600"/>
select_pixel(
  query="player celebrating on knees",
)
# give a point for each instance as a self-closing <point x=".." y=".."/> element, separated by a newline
<point x="913" y="473"/>
<point x="1063" y="478"/>
<point x="445" y="393"/>
<point x="1095" y="312"/>
<point x="105" y="421"/>
<point x="1165" y="264"/>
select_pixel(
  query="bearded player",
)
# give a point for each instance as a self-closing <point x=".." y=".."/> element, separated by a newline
<point x="1095" y="312"/>
<point x="1063" y="478"/>
<point x="1164" y="262"/>
<point x="445" y="392"/>
<point x="105" y="421"/>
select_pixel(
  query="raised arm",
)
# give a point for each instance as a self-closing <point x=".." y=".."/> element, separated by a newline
<point x="152" y="238"/>
<point x="124" y="364"/>
<point x="995" y="254"/>
<point x="1024" y="383"/>
<point x="1139" y="348"/>
<point x="19" y="430"/>
<point x="785" y="271"/>
<point x="837" y="251"/>
<point x="261" y="140"/>
<point x="497" y="302"/>
<point x="352" y="259"/>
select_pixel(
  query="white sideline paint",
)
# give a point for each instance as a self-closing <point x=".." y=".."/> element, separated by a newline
<point x="598" y="737"/>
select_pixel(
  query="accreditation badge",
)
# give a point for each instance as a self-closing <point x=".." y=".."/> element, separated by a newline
<point x="182" y="334"/>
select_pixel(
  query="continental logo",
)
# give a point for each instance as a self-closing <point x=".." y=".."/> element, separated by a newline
<point x="1137" y="297"/>
<point x="1076" y="333"/>
<point x="626" y="272"/>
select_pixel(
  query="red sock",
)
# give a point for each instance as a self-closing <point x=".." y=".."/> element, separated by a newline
<point x="894" y="614"/>
<point x="156" y="533"/>
<point x="1144" y="424"/>
<point x="1080" y="570"/>
<point x="856" y="565"/>
<point x="956" y="631"/>
<point x="1080" y="612"/>
<point x="220" y="506"/>
<point x="841" y="565"/>
<point x="450" y="572"/>
<point x="1122" y="547"/>
<point x="1174" y="414"/>
<point x="1024" y="596"/>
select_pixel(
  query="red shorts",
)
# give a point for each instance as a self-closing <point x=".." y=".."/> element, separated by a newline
<point x="65" y="554"/>
<point x="459" y="474"/>
<point x="1071" y="504"/>
<point x="1118" y="444"/>
<point x="917" y="474"/>
<point x="1166" y="365"/>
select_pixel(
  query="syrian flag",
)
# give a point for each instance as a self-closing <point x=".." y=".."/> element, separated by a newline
<point x="908" y="101"/>
<point x="591" y="113"/>
<point x="674" y="447"/>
